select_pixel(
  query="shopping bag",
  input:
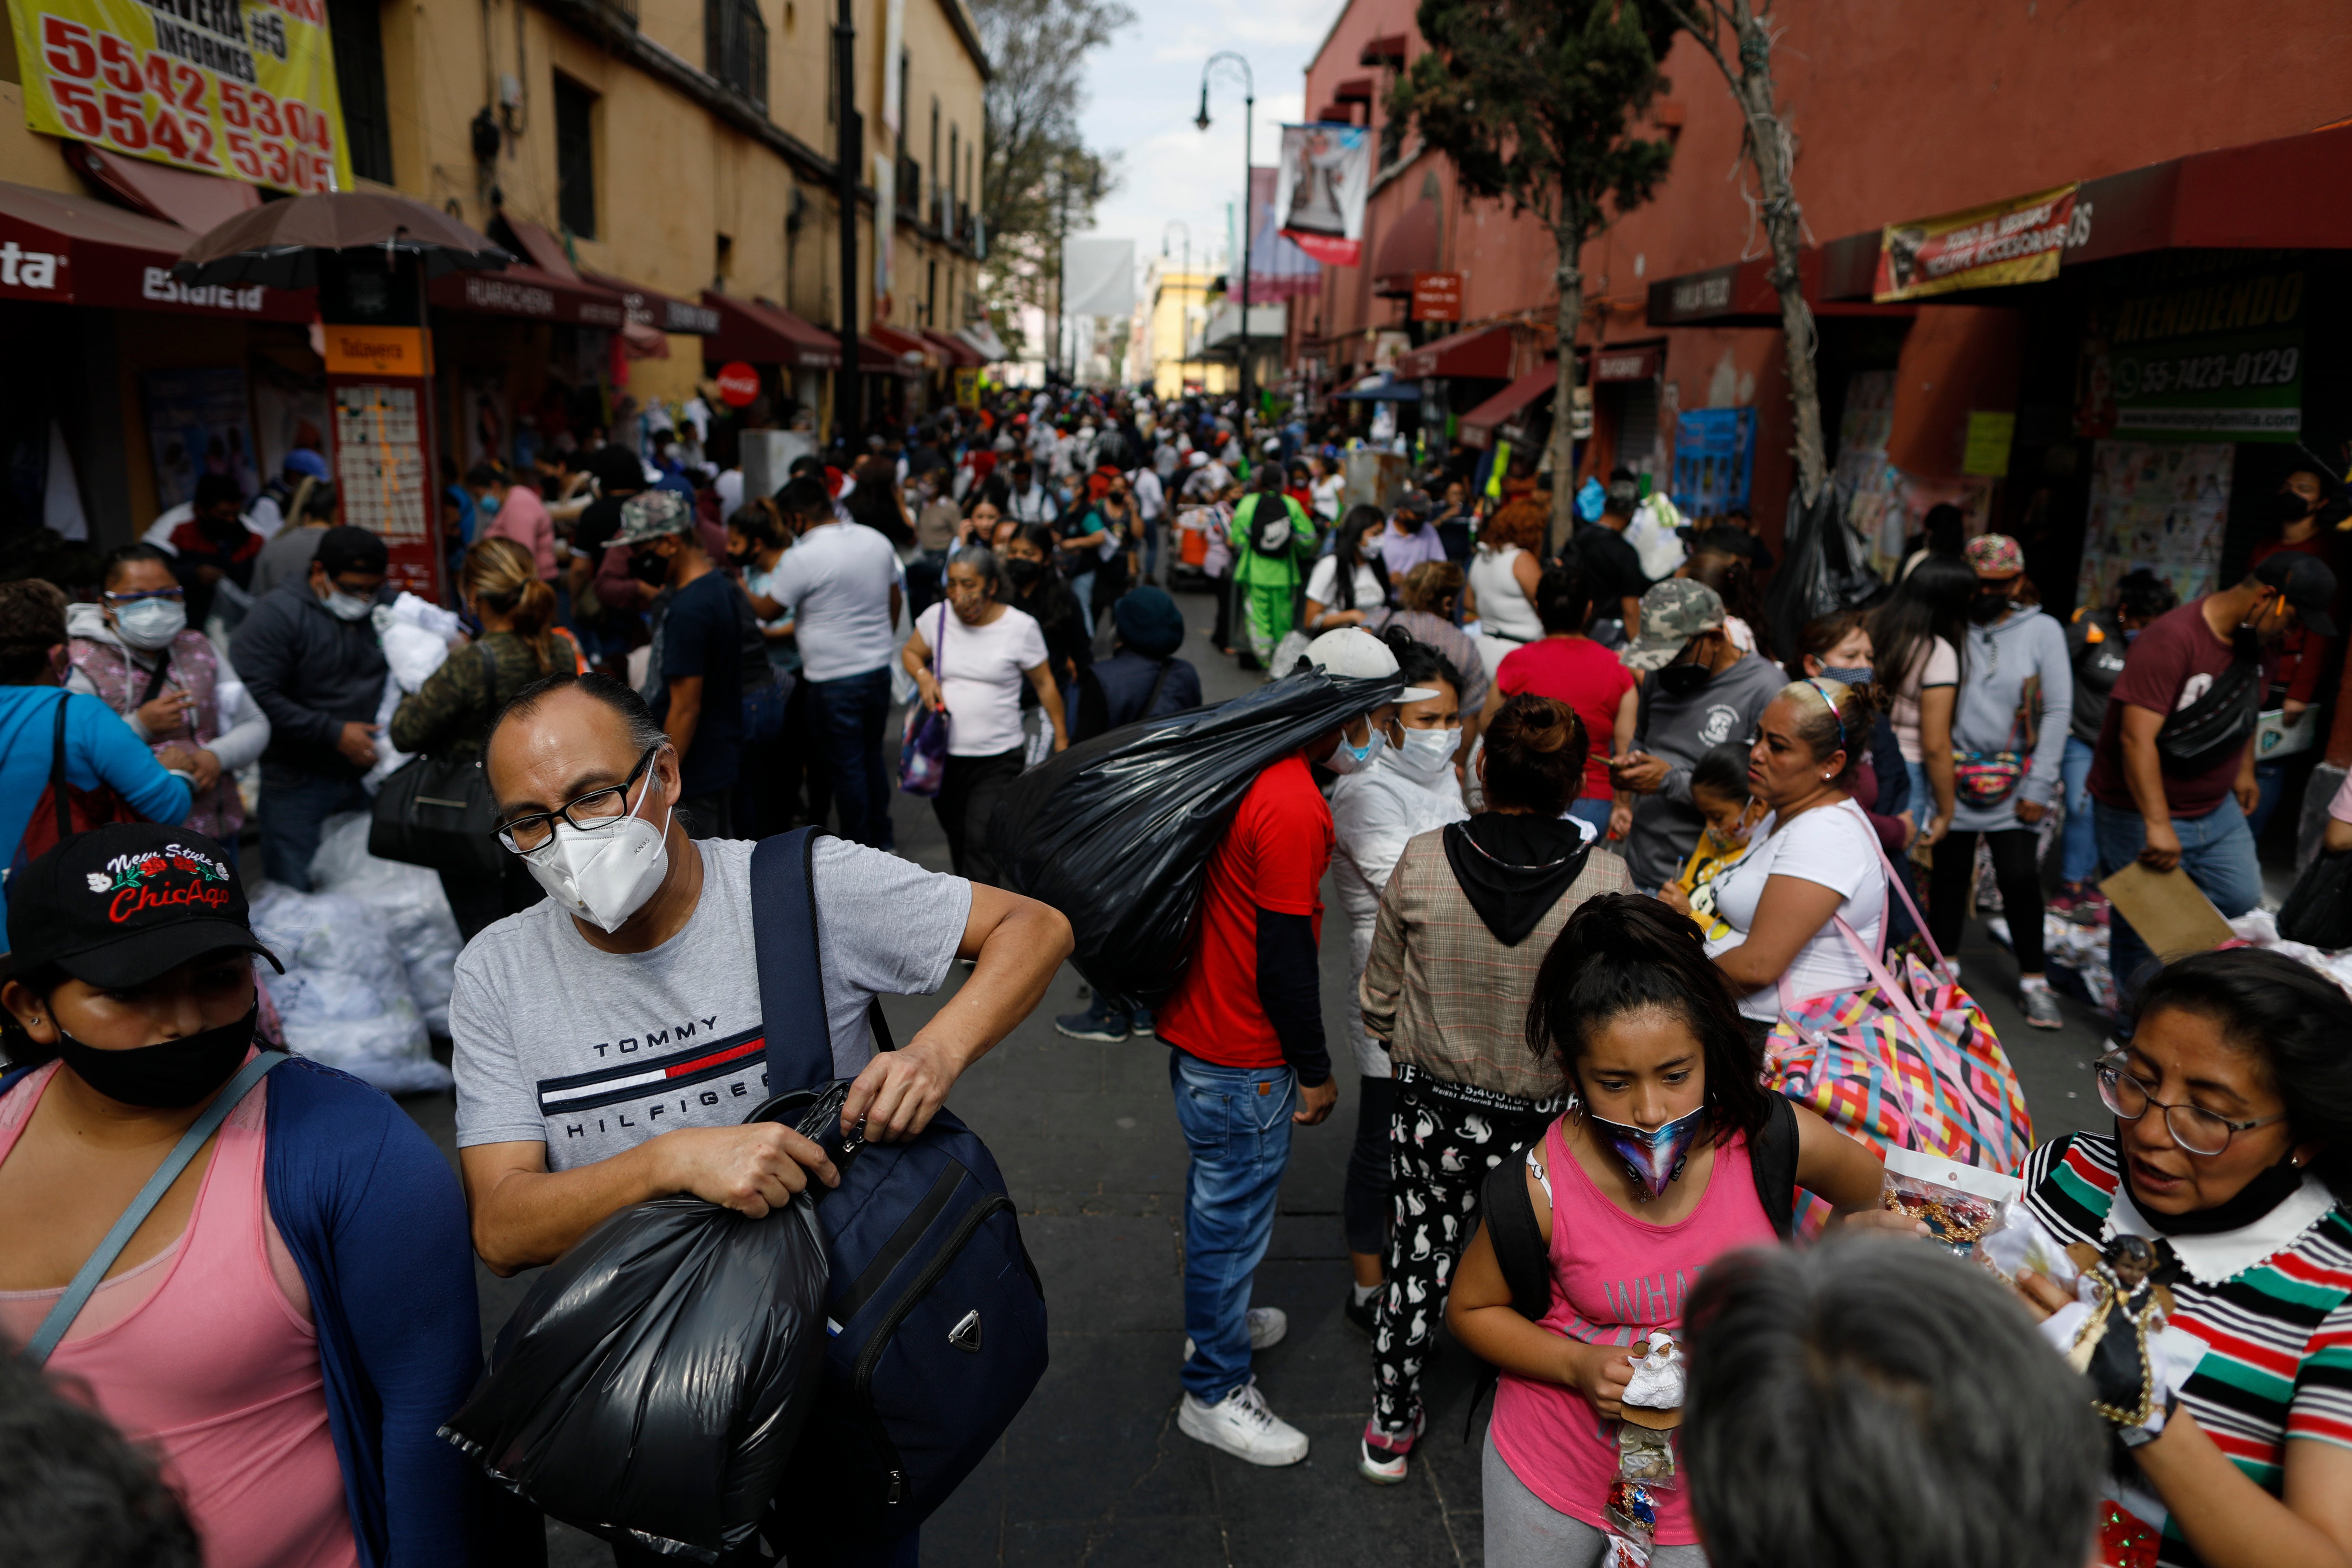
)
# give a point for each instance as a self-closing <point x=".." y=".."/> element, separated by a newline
<point x="923" y="746"/>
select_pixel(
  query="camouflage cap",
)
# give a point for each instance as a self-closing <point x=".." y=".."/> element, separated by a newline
<point x="1673" y="612"/>
<point x="651" y="514"/>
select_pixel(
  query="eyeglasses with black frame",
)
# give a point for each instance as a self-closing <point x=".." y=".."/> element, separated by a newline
<point x="2195" y="1129"/>
<point x="597" y="807"/>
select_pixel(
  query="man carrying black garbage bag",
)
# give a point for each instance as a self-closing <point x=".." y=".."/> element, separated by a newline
<point x="609" y="1041"/>
<point x="1248" y="1061"/>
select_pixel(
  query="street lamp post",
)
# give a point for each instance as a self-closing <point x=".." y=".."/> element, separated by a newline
<point x="1249" y="112"/>
<point x="1184" y="316"/>
<point x="847" y="392"/>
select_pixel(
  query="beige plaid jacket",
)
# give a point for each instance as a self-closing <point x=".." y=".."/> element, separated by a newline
<point x="1445" y="993"/>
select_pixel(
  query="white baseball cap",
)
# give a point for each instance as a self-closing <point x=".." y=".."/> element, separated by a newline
<point x="1353" y="653"/>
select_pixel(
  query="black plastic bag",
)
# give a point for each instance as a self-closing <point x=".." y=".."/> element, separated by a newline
<point x="1822" y="568"/>
<point x="1117" y="832"/>
<point x="651" y="1386"/>
<point x="2318" y="912"/>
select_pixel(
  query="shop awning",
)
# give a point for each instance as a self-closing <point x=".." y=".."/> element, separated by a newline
<point x="79" y="250"/>
<point x="1481" y="352"/>
<point x="982" y="337"/>
<point x="1505" y="405"/>
<point x="911" y="351"/>
<point x="758" y="332"/>
<point x="660" y="311"/>
<point x="194" y="202"/>
<point x="954" y="352"/>
<point x="1409" y="247"/>
<point x="528" y="294"/>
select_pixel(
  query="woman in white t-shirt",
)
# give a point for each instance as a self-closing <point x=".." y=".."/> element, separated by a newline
<point x="1327" y="487"/>
<point x="969" y="658"/>
<point x="1916" y="638"/>
<point x="1812" y="861"/>
<point x="1344" y="587"/>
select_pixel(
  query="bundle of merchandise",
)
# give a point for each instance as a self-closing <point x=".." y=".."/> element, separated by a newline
<point x="416" y="637"/>
<point x="344" y="999"/>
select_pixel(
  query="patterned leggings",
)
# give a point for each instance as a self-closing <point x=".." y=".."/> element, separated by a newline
<point x="1444" y="1139"/>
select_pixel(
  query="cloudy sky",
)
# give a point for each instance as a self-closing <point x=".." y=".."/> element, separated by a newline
<point x="1145" y="90"/>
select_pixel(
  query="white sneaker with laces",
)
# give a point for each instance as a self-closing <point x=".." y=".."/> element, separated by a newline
<point x="1267" y="1325"/>
<point x="2040" y="1006"/>
<point x="1243" y="1426"/>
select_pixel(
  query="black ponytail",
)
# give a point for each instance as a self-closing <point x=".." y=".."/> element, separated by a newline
<point x="1622" y="953"/>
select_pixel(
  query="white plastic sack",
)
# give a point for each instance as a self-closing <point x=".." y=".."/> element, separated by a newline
<point x="343" y="999"/>
<point x="414" y="636"/>
<point x="1651" y="534"/>
<point x="407" y="899"/>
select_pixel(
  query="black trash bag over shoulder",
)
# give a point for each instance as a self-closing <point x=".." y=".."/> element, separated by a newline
<point x="1117" y="832"/>
<point x="1822" y="568"/>
<point x="651" y="1386"/>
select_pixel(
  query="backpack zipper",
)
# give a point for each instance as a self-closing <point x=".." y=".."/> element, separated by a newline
<point x="862" y="1374"/>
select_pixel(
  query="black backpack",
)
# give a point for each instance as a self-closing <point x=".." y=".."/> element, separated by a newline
<point x="1270" y="535"/>
<point x="1508" y="1216"/>
<point x="936" y="1318"/>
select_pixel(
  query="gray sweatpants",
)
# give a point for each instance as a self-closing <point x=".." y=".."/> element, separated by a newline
<point x="1524" y="1532"/>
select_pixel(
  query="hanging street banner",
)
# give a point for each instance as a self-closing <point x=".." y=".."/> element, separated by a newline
<point x="1327" y="171"/>
<point x="2015" y="241"/>
<point x="241" y="89"/>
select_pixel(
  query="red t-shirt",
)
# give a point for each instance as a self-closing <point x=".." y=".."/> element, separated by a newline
<point x="1272" y="858"/>
<point x="2171" y="664"/>
<point x="2301" y="655"/>
<point x="1588" y="678"/>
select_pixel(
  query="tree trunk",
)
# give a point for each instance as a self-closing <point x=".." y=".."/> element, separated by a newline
<point x="1568" y="276"/>
<point x="1770" y="149"/>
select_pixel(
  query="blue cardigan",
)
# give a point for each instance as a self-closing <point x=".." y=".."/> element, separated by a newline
<point x="376" y="1222"/>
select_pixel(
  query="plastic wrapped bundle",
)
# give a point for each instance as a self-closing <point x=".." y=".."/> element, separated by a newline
<point x="1116" y="831"/>
<point x="651" y="1386"/>
<point x="409" y="901"/>
<point x="344" y="999"/>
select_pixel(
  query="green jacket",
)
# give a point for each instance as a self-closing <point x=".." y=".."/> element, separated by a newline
<point x="450" y="714"/>
<point x="1271" y="571"/>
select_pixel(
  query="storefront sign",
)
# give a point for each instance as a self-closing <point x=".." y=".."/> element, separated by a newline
<point x="382" y="469"/>
<point x="738" y="383"/>
<point x="1701" y="295"/>
<point x="377" y="351"/>
<point x="1628" y="364"/>
<point x="243" y="90"/>
<point x="1986" y="449"/>
<point x="967" y="387"/>
<point x="1437" y="296"/>
<point x="2219" y="359"/>
<point x="2015" y="241"/>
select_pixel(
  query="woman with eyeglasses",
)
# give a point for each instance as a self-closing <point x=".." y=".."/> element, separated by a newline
<point x="2233" y="1144"/>
<point x="134" y="651"/>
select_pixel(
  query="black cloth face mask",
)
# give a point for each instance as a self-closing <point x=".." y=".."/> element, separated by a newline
<point x="1682" y="679"/>
<point x="169" y="1077"/>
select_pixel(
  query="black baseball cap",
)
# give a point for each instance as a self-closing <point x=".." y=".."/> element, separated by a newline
<point x="2304" y="581"/>
<point x="120" y="904"/>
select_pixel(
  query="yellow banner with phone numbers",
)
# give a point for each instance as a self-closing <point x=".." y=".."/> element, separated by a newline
<point x="242" y="88"/>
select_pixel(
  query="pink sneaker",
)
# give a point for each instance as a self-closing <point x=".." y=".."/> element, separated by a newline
<point x="1384" y="1459"/>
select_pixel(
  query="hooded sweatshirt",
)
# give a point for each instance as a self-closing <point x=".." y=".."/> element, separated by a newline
<point x="243" y="730"/>
<point x="2018" y="662"/>
<point x="312" y="672"/>
<point x="1374" y="813"/>
<point x="1682" y="730"/>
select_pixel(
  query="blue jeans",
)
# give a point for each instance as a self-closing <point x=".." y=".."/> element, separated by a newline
<point x="1236" y="1123"/>
<point x="294" y="809"/>
<point x="2079" y="846"/>
<point x="2216" y="850"/>
<point x="1083" y="586"/>
<point x="848" y="715"/>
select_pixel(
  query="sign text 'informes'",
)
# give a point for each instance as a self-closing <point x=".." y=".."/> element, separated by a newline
<point x="242" y="88"/>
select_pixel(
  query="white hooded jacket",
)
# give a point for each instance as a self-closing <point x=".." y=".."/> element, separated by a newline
<point x="1373" y="815"/>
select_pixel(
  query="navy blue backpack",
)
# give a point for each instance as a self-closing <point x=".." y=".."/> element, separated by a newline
<point x="935" y="1317"/>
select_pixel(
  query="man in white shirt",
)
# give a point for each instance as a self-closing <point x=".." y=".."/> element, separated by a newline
<point x="1029" y="502"/>
<point x="1150" y="507"/>
<point x="842" y="581"/>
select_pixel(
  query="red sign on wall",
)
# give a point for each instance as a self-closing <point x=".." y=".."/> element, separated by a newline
<point x="1437" y="296"/>
<point x="738" y="384"/>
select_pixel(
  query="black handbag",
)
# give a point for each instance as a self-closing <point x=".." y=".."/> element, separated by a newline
<point x="437" y="811"/>
<point x="2318" y="912"/>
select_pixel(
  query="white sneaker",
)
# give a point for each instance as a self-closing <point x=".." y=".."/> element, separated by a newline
<point x="1267" y="1325"/>
<point x="1243" y="1426"/>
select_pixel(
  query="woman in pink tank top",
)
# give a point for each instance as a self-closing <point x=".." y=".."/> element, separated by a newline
<point x="1643" y="1182"/>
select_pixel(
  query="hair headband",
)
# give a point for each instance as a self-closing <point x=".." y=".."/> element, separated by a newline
<point x="1831" y="702"/>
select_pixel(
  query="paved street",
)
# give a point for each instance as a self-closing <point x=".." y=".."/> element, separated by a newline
<point x="1094" y="1471"/>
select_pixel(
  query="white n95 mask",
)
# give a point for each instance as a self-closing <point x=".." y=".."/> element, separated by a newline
<point x="603" y="874"/>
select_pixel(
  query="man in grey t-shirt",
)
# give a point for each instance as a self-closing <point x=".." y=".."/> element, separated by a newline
<point x="1700" y="690"/>
<point x="609" y="1040"/>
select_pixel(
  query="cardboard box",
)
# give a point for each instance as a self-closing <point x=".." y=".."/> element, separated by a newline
<point x="2170" y="912"/>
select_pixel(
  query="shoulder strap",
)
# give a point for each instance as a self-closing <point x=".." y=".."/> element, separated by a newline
<point x="1772" y="1159"/>
<point x="156" y="677"/>
<point x="791" y="971"/>
<point x="1517" y="1241"/>
<point x="68" y="1306"/>
<point x="58" y="797"/>
<point x="1158" y="683"/>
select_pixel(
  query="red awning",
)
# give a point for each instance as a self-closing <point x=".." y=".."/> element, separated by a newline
<point x="910" y="348"/>
<point x="873" y="354"/>
<point x="529" y="294"/>
<point x="1483" y="352"/>
<point x="79" y="250"/>
<point x="535" y="245"/>
<point x="1409" y="247"/>
<point x="195" y="202"/>
<point x="954" y="352"/>
<point x="1499" y="409"/>
<point x="758" y="332"/>
<point x="663" y="313"/>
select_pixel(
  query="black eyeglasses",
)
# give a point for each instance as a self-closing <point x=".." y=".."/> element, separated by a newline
<point x="598" y="806"/>
<point x="2194" y="1128"/>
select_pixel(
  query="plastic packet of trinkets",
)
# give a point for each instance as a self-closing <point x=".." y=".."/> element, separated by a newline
<point x="1633" y="1513"/>
<point x="1960" y="1204"/>
<point x="2024" y="1242"/>
<point x="1645" y="1455"/>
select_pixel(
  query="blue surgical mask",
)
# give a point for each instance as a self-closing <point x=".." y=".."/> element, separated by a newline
<point x="1653" y="1158"/>
<point x="1351" y="759"/>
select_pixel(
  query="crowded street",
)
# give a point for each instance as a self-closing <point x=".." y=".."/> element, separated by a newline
<point x="976" y="783"/>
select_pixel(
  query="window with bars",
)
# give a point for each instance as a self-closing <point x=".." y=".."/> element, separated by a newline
<point x="735" y="47"/>
<point x="355" y="27"/>
<point x="575" y="157"/>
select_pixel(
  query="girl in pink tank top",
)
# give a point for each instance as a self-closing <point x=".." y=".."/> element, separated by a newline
<point x="1645" y="1182"/>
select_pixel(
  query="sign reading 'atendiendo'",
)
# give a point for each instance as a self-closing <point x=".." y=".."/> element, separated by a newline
<point x="244" y="89"/>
